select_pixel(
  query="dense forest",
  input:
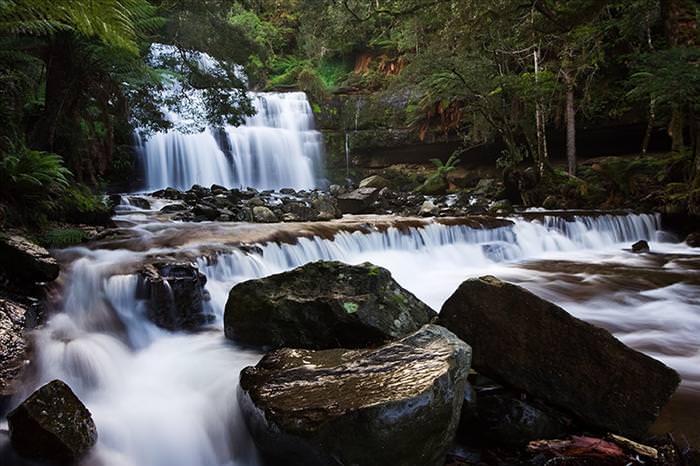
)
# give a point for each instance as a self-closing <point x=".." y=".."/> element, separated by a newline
<point x="78" y="77"/>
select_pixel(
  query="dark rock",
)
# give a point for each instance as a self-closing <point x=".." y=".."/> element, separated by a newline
<point x="218" y="189"/>
<point x="327" y="208"/>
<point x="13" y="345"/>
<point x="176" y="295"/>
<point x="287" y="191"/>
<point x="499" y="416"/>
<point x="168" y="193"/>
<point x="395" y="405"/>
<point x="357" y="201"/>
<point x="264" y="215"/>
<point x="170" y="208"/>
<point x="139" y="202"/>
<point x="25" y="262"/>
<point x="534" y="345"/>
<point x="640" y="246"/>
<point x="52" y="425"/>
<point x="693" y="240"/>
<point x="323" y="305"/>
<point x="205" y="211"/>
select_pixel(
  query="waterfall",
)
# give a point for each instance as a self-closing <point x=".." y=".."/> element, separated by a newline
<point x="275" y="148"/>
<point x="163" y="398"/>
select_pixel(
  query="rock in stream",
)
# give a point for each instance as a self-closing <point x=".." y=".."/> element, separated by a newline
<point x="323" y="305"/>
<point x="536" y="346"/>
<point x="398" y="404"/>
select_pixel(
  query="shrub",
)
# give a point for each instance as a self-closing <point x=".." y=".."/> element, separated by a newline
<point x="31" y="181"/>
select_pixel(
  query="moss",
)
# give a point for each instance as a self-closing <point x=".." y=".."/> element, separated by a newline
<point x="63" y="238"/>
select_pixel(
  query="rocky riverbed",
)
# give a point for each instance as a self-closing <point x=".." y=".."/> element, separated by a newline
<point x="135" y="325"/>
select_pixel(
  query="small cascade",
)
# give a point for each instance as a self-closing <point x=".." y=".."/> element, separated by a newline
<point x="168" y="398"/>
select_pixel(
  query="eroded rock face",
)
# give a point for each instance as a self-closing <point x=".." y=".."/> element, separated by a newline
<point x="536" y="346"/>
<point x="395" y="405"/>
<point x="175" y="295"/>
<point x="13" y="345"/>
<point x="26" y="263"/>
<point x="323" y="305"/>
<point x="52" y="425"/>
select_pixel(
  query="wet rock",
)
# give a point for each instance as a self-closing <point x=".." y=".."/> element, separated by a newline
<point x="501" y="207"/>
<point x="531" y="344"/>
<point x="262" y="214"/>
<point x="168" y="193"/>
<point x="496" y="415"/>
<point x="139" y="202"/>
<point x="287" y="191"/>
<point x="171" y="208"/>
<point x="175" y="295"/>
<point x="13" y="345"/>
<point x="640" y="246"/>
<point x="428" y="209"/>
<point x="218" y="189"/>
<point x="375" y="181"/>
<point x="26" y="263"/>
<point x="327" y="208"/>
<point x="693" y="240"/>
<point x="358" y="201"/>
<point x="52" y="425"/>
<point x="395" y="405"/>
<point x="323" y="305"/>
<point x="206" y="212"/>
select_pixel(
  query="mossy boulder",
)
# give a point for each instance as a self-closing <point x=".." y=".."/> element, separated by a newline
<point x="323" y="305"/>
<point x="398" y="404"/>
<point x="52" y="425"/>
<point x="531" y="344"/>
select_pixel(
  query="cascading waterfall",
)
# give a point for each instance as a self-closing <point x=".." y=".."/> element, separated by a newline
<point x="166" y="398"/>
<point x="275" y="148"/>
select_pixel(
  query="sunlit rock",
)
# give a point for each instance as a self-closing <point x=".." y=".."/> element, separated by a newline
<point x="395" y="405"/>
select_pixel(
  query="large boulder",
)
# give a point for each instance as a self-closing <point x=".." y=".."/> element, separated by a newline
<point x="536" y="346"/>
<point x="175" y="295"/>
<point x="323" y="305"/>
<point x="13" y="345"/>
<point x="52" y="425"/>
<point x="395" y="405"/>
<point x="358" y="201"/>
<point x="26" y="263"/>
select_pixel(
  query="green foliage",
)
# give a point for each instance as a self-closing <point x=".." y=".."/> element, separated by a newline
<point x="63" y="238"/>
<point x="31" y="181"/>
<point x="350" y="308"/>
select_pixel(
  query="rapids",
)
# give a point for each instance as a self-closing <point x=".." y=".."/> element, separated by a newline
<point x="168" y="399"/>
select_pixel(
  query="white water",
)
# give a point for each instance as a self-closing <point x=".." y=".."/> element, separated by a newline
<point x="162" y="398"/>
<point x="275" y="148"/>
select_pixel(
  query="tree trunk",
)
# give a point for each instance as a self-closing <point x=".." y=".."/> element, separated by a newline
<point x="650" y="126"/>
<point x="540" y="121"/>
<point x="570" y="131"/>
<point x="675" y="130"/>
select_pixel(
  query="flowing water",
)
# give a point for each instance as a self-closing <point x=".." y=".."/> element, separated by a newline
<point x="275" y="148"/>
<point x="168" y="399"/>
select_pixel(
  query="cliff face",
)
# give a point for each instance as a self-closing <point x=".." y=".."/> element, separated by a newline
<point x="373" y="130"/>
